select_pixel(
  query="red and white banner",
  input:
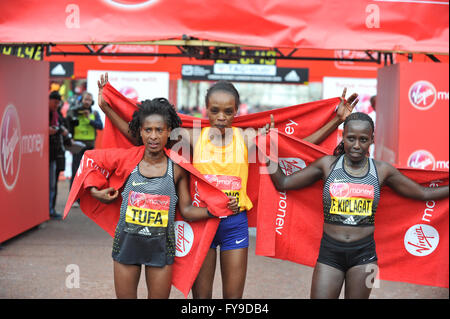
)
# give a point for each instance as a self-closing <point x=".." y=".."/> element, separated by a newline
<point x="411" y="236"/>
<point x="386" y="25"/>
<point x="24" y="189"/>
<point x="413" y="115"/>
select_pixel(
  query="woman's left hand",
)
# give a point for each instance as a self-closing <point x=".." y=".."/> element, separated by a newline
<point x="346" y="107"/>
<point x="106" y="195"/>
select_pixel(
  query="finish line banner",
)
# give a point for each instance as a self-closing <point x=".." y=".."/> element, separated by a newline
<point x="383" y="25"/>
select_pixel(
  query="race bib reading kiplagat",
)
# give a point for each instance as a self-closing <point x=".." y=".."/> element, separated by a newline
<point x="351" y="199"/>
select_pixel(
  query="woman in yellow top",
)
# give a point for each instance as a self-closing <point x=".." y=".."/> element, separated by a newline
<point x="221" y="154"/>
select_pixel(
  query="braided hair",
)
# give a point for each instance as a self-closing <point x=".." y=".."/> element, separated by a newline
<point x="357" y="116"/>
<point x="224" y="86"/>
<point x="160" y="106"/>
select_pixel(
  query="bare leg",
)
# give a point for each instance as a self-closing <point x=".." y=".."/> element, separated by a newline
<point x="203" y="285"/>
<point x="126" y="280"/>
<point x="358" y="282"/>
<point x="233" y="265"/>
<point x="159" y="281"/>
<point x="326" y="282"/>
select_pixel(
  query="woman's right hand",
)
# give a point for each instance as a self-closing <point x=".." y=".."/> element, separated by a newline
<point x="101" y="83"/>
<point x="106" y="195"/>
<point x="233" y="204"/>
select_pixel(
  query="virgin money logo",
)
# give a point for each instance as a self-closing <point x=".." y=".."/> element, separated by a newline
<point x="421" y="159"/>
<point x="130" y="4"/>
<point x="290" y="165"/>
<point x="422" y="95"/>
<point x="421" y="240"/>
<point x="10" y="147"/>
<point x="339" y="189"/>
<point x="348" y="64"/>
<point x="225" y="182"/>
<point x="130" y="93"/>
<point x="137" y="199"/>
<point x="129" y="48"/>
<point x="184" y="237"/>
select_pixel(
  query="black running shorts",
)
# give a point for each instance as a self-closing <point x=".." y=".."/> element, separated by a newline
<point x="343" y="256"/>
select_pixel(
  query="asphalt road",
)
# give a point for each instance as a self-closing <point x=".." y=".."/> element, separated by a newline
<point x="39" y="263"/>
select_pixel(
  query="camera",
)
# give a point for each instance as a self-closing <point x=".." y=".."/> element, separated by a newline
<point x="78" y="109"/>
<point x="75" y="112"/>
<point x="56" y="128"/>
<point x="73" y="119"/>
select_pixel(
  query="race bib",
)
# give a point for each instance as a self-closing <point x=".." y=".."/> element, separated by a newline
<point x="351" y="199"/>
<point x="230" y="185"/>
<point x="147" y="209"/>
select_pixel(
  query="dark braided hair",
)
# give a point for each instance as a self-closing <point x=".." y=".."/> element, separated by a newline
<point x="357" y="116"/>
<point x="224" y="86"/>
<point x="160" y="106"/>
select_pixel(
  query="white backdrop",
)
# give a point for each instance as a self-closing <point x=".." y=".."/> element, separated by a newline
<point x="137" y="86"/>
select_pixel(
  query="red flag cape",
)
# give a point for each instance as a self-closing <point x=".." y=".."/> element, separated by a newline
<point x="411" y="236"/>
<point x="193" y="238"/>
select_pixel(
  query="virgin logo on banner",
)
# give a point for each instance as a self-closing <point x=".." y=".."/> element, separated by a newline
<point x="10" y="147"/>
<point x="184" y="238"/>
<point x="14" y="145"/>
<point x="290" y="165"/>
<point x="423" y="95"/>
<point x="421" y="240"/>
<point x="425" y="160"/>
<point x="421" y="159"/>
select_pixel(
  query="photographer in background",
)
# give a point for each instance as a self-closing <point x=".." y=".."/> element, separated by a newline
<point x="83" y="125"/>
<point x="59" y="137"/>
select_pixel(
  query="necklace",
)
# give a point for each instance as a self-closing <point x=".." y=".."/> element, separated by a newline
<point x="358" y="171"/>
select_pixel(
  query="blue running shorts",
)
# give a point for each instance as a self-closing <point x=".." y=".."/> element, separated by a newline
<point x="232" y="232"/>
